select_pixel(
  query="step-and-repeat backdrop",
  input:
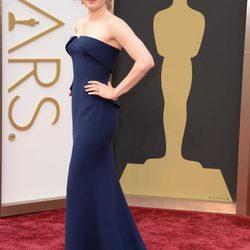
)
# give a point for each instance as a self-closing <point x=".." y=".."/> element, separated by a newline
<point x="178" y="128"/>
<point x="36" y="75"/>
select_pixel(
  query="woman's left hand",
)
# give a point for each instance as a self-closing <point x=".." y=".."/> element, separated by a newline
<point x="101" y="89"/>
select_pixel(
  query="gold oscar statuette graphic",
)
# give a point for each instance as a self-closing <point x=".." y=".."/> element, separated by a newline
<point x="32" y="22"/>
<point x="178" y="33"/>
<point x="13" y="21"/>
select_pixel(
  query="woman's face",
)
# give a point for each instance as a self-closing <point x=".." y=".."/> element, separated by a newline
<point x="94" y="4"/>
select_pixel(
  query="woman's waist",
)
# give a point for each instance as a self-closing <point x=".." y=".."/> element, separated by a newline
<point x="85" y="79"/>
<point x="80" y="82"/>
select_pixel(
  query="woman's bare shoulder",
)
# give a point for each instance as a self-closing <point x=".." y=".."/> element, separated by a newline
<point x="79" y="23"/>
<point x="116" y="23"/>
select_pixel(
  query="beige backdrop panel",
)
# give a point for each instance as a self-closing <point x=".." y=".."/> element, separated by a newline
<point x="35" y="108"/>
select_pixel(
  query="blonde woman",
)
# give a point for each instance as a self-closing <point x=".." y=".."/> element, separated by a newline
<point x="97" y="215"/>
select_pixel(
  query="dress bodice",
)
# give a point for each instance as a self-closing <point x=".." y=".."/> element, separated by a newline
<point x="92" y="59"/>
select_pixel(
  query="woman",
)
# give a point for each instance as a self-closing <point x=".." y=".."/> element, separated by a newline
<point x="97" y="215"/>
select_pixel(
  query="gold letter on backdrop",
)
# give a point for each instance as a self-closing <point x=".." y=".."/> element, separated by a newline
<point x="34" y="71"/>
<point x="40" y="104"/>
<point x="178" y="32"/>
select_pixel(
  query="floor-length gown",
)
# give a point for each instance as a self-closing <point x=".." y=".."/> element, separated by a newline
<point x="97" y="215"/>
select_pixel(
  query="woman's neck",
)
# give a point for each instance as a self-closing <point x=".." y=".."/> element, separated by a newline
<point x="98" y="13"/>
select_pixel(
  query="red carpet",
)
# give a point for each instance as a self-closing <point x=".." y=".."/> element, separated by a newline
<point x="161" y="229"/>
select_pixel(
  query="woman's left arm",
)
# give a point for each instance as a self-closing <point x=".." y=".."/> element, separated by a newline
<point x="124" y="35"/>
<point x="136" y="49"/>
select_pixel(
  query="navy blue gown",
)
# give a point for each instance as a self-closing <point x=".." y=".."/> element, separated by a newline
<point x="97" y="215"/>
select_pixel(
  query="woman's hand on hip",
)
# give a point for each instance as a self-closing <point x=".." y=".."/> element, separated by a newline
<point x="100" y="89"/>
